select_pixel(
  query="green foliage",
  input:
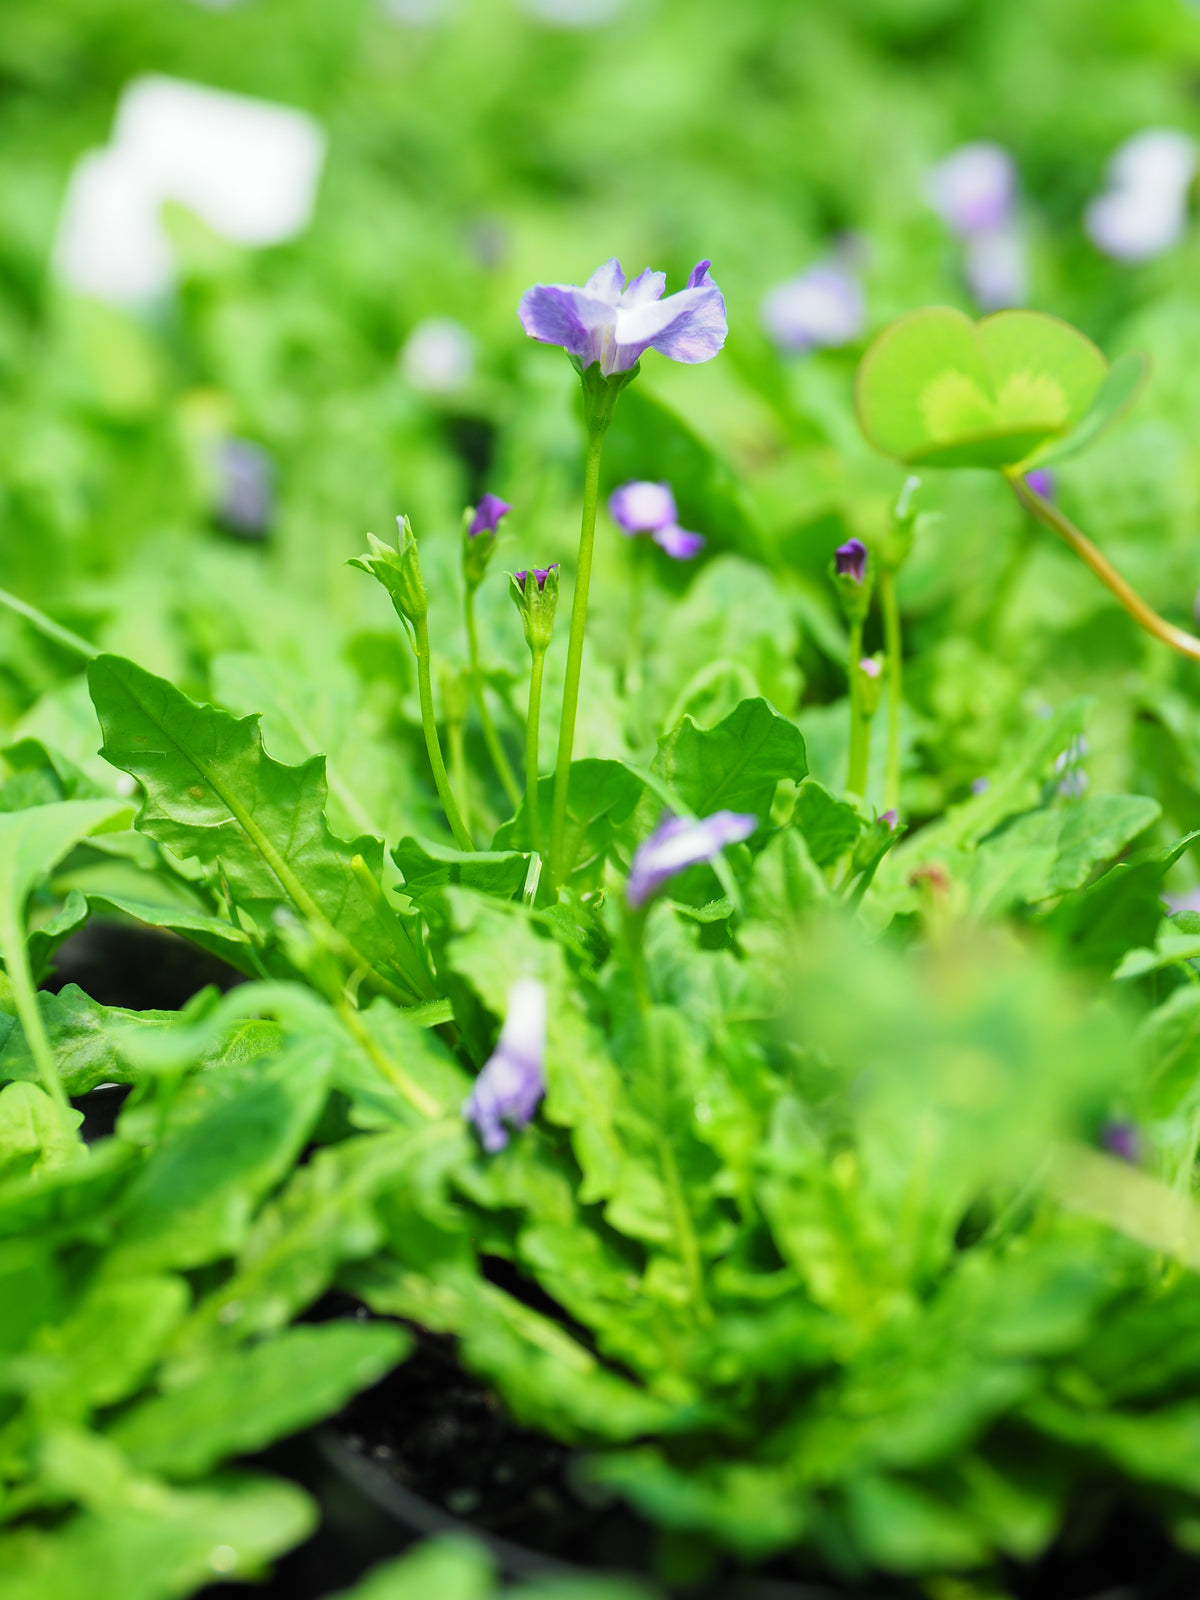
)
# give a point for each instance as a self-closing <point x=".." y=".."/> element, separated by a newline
<point x="937" y="390"/>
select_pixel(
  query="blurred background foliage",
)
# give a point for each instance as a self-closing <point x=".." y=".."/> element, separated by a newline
<point x="484" y="149"/>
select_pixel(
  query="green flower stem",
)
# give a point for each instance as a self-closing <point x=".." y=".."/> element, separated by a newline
<point x="425" y="687"/>
<point x="598" y="419"/>
<point x="856" y="773"/>
<point x="895" y="669"/>
<point x="491" y="738"/>
<point x="685" y="1234"/>
<point x="633" y="627"/>
<point x="532" y="727"/>
<point x="20" y="975"/>
<point x="408" y="960"/>
<point x="458" y="766"/>
<point x="1145" y="616"/>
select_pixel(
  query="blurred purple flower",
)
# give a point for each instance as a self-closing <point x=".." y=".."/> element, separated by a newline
<point x="871" y="667"/>
<point x="488" y="515"/>
<point x="1143" y="210"/>
<point x="614" y="323"/>
<point x="1073" y="780"/>
<point x="974" y="189"/>
<point x="245" y="499"/>
<point x="851" y="560"/>
<point x="820" y="308"/>
<point x="513" y="1080"/>
<point x="640" y="507"/>
<point x="1041" y="481"/>
<point x="678" y="843"/>
<point x="1123" y="1140"/>
<point x="438" y="356"/>
<point x="980" y="785"/>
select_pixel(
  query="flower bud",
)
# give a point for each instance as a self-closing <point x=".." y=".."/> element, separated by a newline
<point x="481" y="524"/>
<point x="399" y="571"/>
<point x="853" y="578"/>
<point x="535" y="595"/>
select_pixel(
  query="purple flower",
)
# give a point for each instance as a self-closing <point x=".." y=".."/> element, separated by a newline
<point x="1123" y="1140"/>
<point x="1041" y="481"/>
<point x="614" y="323"/>
<point x="889" y="817"/>
<point x="974" y="188"/>
<point x="513" y="1080"/>
<point x="678" y="843"/>
<point x="822" y="307"/>
<point x="1143" y="211"/>
<point x="870" y="666"/>
<point x="245" y="476"/>
<point x="488" y="514"/>
<point x="851" y="560"/>
<point x="640" y="507"/>
<point x="980" y="785"/>
<point x="540" y="574"/>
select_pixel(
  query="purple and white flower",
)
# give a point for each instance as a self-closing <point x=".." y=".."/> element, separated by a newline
<point x="678" y="843"/>
<point x="850" y="560"/>
<point x="821" y="308"/>
<point x="489" y="513"/>
<point x="1143" y="210"/>
<point x="614" y="323"/>
<point x="508" y="1090"/>
<point x="639" y="507"/>
<point x="996" y="267"/>
<point x="245" y="487"/>
<point x="974" y="189"/>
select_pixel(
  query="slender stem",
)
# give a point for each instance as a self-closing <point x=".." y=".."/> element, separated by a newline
<point x="856" y="768"/>
<point x="425" y="687"/>
<point x="395" y="1075"/>
<point x="633" y="630"/>
<point x="491" y="738"/>
<point x="48" y="626"/>
<point x="532" y="726"/>
<point x="895" y="668"/>
<point x="458" y="766"/>
<point x="16" y="958"/>
<point x="597" y="427"/>
<point x="652" y="1060"/>
<point x="1177" y="638"/>
<point x="408" y="961"/>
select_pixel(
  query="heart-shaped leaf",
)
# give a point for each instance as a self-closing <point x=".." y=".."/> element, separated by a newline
<point x="937" y="389"/>
<point x="1115" y="395"/>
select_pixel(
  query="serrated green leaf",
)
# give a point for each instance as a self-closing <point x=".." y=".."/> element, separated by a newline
<point x="32" y="1136"/>
<point x="214" y="934"/>
<point x="734" y="766"/>
<point x="830" y="826"/>
<point x="212" y="792"/>
<point x="601" y="797"/>
<point x="427" y="865"/>
<point x="250" y="1398"/>
<point x="166" y="1547"/>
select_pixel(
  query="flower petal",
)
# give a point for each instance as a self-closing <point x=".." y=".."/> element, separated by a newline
<point x="557" y="313"/>
<point x="689" y="326"/>
<point x="640" y="507"/>
<point x="607" y="282"/>
<point x="648" y="286"/>
<point x="678" y="542"/>
<point x="678" y="843"/>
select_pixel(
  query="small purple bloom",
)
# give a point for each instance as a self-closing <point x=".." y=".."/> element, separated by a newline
<point x="980" y="786"/>
<point x="871" y="667"/>
<point x="1123" y="1140"/>
<point x="513" y="1080"/>
<point x="851" y="560"/>
<point x="245" y="500"/>
<point x="488" y="515"/>
<point x="1041" y="481"/>
<point x="678" y="843"/>
<point x="889" y="817"/>
<point x="820" y="308"/>
<point x="974" y="188"/>
<point x="540" y="574"/>
<point x="641" y="507"/>
<point x="613" y="322"/>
